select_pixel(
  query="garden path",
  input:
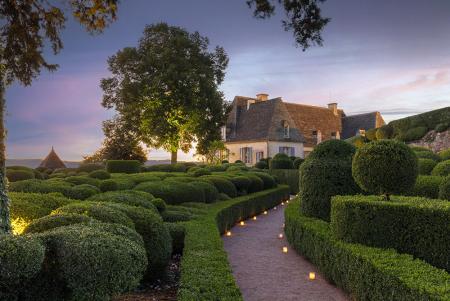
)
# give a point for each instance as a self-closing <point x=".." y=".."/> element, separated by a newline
<point x="264" y="273"/>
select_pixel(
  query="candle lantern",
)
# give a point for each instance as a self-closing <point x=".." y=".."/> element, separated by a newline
<point x="312" y="275"/>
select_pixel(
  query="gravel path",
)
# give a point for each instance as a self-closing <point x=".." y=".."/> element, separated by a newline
<point x="264" y="272"/>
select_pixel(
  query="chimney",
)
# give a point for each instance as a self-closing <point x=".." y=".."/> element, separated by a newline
<point x="333" y="107"/>
<point x="262" y="97"/>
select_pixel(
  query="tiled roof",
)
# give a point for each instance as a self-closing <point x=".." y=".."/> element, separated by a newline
<point x="352" y="124"/>
<point x="52" y="161"/>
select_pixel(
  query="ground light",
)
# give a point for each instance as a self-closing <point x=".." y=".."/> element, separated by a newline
<point x="254" y="218"/>
<point x="265" y="212"/>
<point x="285" y="249"/>
<point x="280" y="235"/>
<point x="312" y="275"/>
<point x="228" y="233"/>
<point x="242" y="223"/>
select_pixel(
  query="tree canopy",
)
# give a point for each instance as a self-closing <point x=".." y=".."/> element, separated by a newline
<point x="168" y="86"/>
<point x="303" y="18"/>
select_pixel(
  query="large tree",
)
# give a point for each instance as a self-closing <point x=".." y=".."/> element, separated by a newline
<point x="168" y="86"/>
<point x="303" y="18"/>
<point x="121" y="143"/>
<point x="26" y="26"/>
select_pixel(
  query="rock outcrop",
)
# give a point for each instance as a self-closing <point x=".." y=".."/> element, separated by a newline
<point x="434" y="141"/>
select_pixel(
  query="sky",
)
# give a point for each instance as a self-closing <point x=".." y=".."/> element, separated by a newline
<point x="384" y="55"/>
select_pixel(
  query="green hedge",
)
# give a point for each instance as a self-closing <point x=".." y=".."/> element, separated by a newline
<point x="222" y="184"/>
<point x="416" y="226"/>
<point x="426" y="166"/>
<point x="123" y="166"/>
<point x="100" y="174"/>
<point x="19" y="175"/>
<point x="287" y="177"/>
<point x="281" y="161"/>
<point x="79" y="180"/>
<point x="427" y="155"/>
<point x="426" y="186"/>
<point x="177" y="232"/>
<point x="127" y="197"/>
<point x="206" y="274"/>
<point x="444" y="189"/>
<point x="366" y="273"/>
<point x="82" y="192"/>
<point x="444" y="154"/>
<point x="173" y="192"/>
<point x="39" y="186"/>
<point x="442" y="169"/>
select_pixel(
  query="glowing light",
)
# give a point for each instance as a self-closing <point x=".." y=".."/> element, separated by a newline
<point x="228" y="233"/>
<point x="312" y="275"/>
<point x="242" y="223"/>
<point x="285" y="250"/>
<point x="265" y="212"/>
<point x="280" y="235"/>
<point x="274" y="208"/>
<point x="254" y="218"/>
<point x="282" y="203"/>
<point x="287" y="202"/>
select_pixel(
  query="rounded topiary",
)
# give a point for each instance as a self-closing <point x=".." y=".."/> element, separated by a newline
<point x="416" y="148"/>
<point x="238" y="161"/>
<point x="384" y="132"/>
<point x="78" y="180"/>
<point x="19" y="175"/>
<point x="237" y="168"/>
<point x="123" y="166"/>
<point x="441" y="169"/>
<point x="298" y="162"/>
<point x="89" y="167"/>
<point x="225" y="161"/>
<point x="426" y="166"/>
<point x="371" y="134"/>
<point x="241" y="182"/>
<point x="177" y="232"/>
<point x="320" y="179"/>
<point x="159" y="204"/>
<point x="100" y="174"/>
<point x="82" y="192"/>
<point x="198" y="172"/>
<point x="222" y="184"/>
<point x="21" y="259"/>
<point x="281" y="161"/>
<point x="385" y="167"/>
<point x="333" y="149"/>
<point x="256" y="183"/>
<point x="268" y="180"/>
<point x="97" y="210"/>
<point x="441" y="127"/>
<point x="427" y="155"/>
<point x="426" y="186"/>
<point x="262" y="165"/>
<point x="445" y="154"/>
<point x="209" y="190"/>
<point x="92" y="264"/>
<point x="127" y="197"/>
<point x="444" y="189"/>
<point x="51" y="222"/>
<point x="172" y="192"/>
<point x="108" y="185"/>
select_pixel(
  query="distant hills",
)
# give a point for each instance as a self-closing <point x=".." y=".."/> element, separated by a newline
<point x="33" y="163"/>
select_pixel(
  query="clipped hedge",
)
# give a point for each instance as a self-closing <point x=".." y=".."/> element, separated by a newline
<point x="172" y="192"/>
<point x="100" y="174"/>
<point x="366" y="273"/>
<point x="444" y="189"/>
<point x="333" y="149"/>
<point x="79" y="180"/>
<point x="89" y="167"/>
<point x="427" y="155"/>
<point x="19" y="175"/>
<point x="127" y="197"/>
<point x="214" y="279"/>
<point x="398" y="224"/>
<point x="21" y="259"/>
<point x="123" y="166"/>
<point x="445" y="154"/>
<point x="82" y="192"/>
<point x="50" y="222"/>
<point x="268" y="180"/>
<point x="222" y="184"/>
<point x="281" y="161"/>
<point x="426" y="186"/>
<point x="441" y="169"/>
<point x="39" y="186"/>
<point x="177" y="232"/>
<point x="287" y="177"/>
<point x="426" y="166"/>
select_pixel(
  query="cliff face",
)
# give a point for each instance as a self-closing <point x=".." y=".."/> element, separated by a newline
<point x="434" y="141"/>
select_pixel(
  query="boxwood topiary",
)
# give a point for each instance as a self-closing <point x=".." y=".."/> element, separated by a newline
<point x="177" y="232"/>
<point x="281" y="161"/>
<point x="108" y="185"/>
<point x="426" y="166"/>
<point x="210" y="191"/>
<point x="262" y="165"/>
<point x="268" y="180"/>
<point x="82" y="192"/>
<point x="21" y="258"/>
<point x="427" y="155"/>
<point x="444" y="189"/>
<point x="385" y="167"/>
<point x="40" y="186"/>
<point x="78" y="180"/>
<point x="123" y="166"/>
<point x="445" y="154"/>
<point x="89" y="264"/>
<point x="222" y="184"/>
<point x="19" y="175"/>
<point x="333" y="149"/>
<point x="50" y="222"/>
<point x="100" y="174"/>
<point x="127" y="197"/>
<point x="172" y="216"/>
<point x="156" y="236"/>
<point x="441" y="169"/>
<point x="256" y="183"/>
<point x="172" y="192"/>
<point x="159" y="204"/>
<point x="241" y="182"/>
<point x="320" y="179"/>
<point x="199" y="172"/>
<point x="97" y="210"/>
<point x="384" y="132"/>
<point x="298" y="162"/>
<point x="89" y="167"/>
<point x="426" y="186"/>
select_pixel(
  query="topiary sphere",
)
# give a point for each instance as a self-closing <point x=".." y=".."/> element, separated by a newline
<point x="281" y="161"/>
<point x="298" y="162"/>
<point x="444" y="189"/>
<point x="384" y="132"/>
<point x="442" y="169"/>
<point x="426" y="166"/>
<point x="445" y="154"/>
<point x="100" y="174"/>
<point x="333" y="149"/>
<point x="320" y="179"/>
<point x="262" y="165"/>
<point x="385" y="167"/>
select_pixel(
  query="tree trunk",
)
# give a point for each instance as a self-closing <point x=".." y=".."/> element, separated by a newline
<point x="173" y="157"/>
<point x="5" y="223"/>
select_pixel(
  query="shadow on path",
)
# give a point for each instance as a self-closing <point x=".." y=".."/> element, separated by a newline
<point x="263" y="272"/>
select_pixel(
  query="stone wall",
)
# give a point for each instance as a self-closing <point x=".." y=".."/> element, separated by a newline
<point x="434" y="141"/>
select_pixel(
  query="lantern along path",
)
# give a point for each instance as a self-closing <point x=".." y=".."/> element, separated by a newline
<point x="263" y="272"/>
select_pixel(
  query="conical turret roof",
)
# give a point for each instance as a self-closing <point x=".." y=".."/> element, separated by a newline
<point x="52" y="161"/>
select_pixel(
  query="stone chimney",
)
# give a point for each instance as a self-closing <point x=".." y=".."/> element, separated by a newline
<point x="262" y="97"/>
<point x="333" y="107"/>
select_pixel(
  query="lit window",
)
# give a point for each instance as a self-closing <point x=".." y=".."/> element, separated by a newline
<point x="246" y="155"/>
<point x="259" y="156"/>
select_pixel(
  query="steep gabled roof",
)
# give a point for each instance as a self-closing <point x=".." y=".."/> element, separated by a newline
<point x="52" y="161"/>
<point x="352" y="124"/>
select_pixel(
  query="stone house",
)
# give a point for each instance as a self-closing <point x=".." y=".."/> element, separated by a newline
<point x="260" y="127"/>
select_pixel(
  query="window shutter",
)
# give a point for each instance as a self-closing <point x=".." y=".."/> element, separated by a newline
<point x="280" y="149"/>
<point x="292" y="151"/>
<point x="250" y="155"/>
<point x="241" y="157"/>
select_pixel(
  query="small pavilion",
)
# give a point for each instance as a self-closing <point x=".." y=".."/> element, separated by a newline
<point x="52" y="161"/>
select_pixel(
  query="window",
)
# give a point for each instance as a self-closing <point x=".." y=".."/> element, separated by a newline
<point x="246" y="155"/>
<point x="259" y="156"/>
<point x="285" y="129"/>
<point x="333" y="135"/>
<point x="317" y="135"/>
<point x="223" y="132"/>
<point x="290" y="151"/>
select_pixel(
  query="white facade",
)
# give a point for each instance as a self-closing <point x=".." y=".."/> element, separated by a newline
<point x="251" y="152"/>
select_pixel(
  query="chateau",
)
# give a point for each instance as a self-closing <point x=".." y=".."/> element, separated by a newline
<point x="260" y="127"/>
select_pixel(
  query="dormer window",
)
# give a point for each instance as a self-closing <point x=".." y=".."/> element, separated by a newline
<point x="317" y="135"/>
<point x="285" y="129"/>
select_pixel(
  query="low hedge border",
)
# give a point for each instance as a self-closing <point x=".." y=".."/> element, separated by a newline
<point x="205" y="272"/>
<point x="367" y="273"/>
